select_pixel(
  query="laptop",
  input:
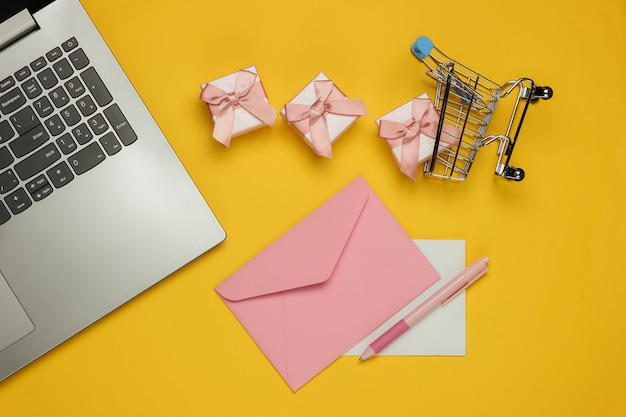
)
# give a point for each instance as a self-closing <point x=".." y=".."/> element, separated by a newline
<point x="95" y="207"/>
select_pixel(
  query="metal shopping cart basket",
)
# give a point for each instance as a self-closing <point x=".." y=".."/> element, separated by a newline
<point x="467" y="101"/>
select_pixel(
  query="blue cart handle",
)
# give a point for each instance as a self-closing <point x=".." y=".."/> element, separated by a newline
<point x="421" y="47"/>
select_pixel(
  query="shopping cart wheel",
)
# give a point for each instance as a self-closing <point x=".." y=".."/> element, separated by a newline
<point x="544" y="93"/>
<point x="515" y="174"/>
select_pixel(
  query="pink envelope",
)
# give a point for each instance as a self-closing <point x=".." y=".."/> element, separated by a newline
<point x="327" y="283"/>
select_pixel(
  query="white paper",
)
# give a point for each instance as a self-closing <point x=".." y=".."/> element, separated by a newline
<point x="442" y="332"/>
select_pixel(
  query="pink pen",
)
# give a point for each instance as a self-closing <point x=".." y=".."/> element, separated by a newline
<point x="440" y="298"/>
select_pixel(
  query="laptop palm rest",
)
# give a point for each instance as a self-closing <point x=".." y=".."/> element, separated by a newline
<point x="14" y="322"/>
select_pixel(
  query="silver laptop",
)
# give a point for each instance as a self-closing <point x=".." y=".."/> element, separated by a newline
<point x="95" y="207"/>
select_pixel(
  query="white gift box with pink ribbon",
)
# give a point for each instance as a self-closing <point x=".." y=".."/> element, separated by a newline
<point x="321" y="113"/>
<point x="410" y="132"/>
<point x="238" y="104"/>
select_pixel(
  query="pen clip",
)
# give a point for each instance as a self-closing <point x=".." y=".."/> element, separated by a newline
<point x="469" y="282"/>
<point x="454" y="294"/>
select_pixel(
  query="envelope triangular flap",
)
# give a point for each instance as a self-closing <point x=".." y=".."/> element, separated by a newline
<point x="305" y="255"/>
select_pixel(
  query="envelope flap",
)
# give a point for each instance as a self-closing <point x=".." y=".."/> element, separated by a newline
<point x="307" y="254"/>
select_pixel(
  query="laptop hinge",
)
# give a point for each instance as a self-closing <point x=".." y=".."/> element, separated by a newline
<point x="16" y="27"/>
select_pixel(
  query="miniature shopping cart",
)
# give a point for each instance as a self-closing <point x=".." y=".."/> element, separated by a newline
<point x="467" y="101"/>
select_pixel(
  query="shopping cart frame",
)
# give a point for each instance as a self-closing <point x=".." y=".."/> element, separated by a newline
<point x="467" y="101"/>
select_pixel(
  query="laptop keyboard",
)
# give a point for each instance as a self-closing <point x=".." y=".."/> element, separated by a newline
<point x="57" y="121"/>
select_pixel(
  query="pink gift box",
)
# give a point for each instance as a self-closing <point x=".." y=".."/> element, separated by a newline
<point x="321" y="113"/>
<point x="410" y="132"/>
<point x="238" y="104"/>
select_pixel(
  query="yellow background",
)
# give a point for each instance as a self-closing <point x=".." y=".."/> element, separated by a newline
<point x="546" y="327"/>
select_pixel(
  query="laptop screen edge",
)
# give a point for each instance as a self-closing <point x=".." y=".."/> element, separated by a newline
<point x="10" y="7"/>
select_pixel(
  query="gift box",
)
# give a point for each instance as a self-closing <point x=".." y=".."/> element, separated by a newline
<point x="410" y="132"/>
<point x="238" y="104"/>
<point x="321" y="113"/>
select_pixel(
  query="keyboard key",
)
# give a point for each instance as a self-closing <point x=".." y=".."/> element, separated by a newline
<point x="18" y="201"/>
<point x="24" y="120"/>
<point x="60" y="175"/>
<point x="54" y="54"/>
<point x="8" y="181"/>
<point x="70" y="115"/>
<point x="66" y="144"/>
<point x="75" y="87"/>
<point x="36" y="184"/>
<point x="4" y="214"/>
<point x="7" y="83"/>
<point x="63" y="68"/>
<point x="82" y="134"/>
<point x="12" y="101"/>
<point x="79" y="59"/>
<point x="37" y="162"/>
<point x="69" y="44"/>
<point x="31" y="88"/>
<point x="86" y="106"/>
<point x="98" y="124"/>
<point x="39" y="188"/>
<point x="55" y="125"/>
<point x="38" y="64"/>
<point x="6" y="132"/>
<point x="29" y="141"/>
<point x="22" y="73"/>
<point x="96" y="87"/>
<point x="43" y="107"/>
<point x="47" y="78"/>
<point x="120" y="125"/>
<point x="6" y="158"/>
<point x="110" y="143"/>
<point x="59" y="98"/>
<point x="87" y="158"/>
<point x="42" y="193"/>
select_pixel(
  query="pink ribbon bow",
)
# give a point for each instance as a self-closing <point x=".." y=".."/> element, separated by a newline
<point x="424" y="120"/>
<point x="316" y="114"/>
<point x="247" y="94"/>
